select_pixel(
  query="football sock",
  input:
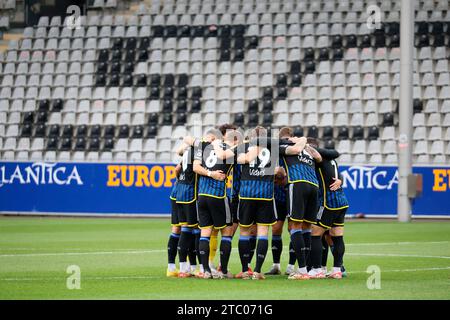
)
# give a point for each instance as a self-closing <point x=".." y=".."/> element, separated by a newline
<point x="172" y="247"/>
<point x="307" y="239"/>
<point x="339" y="249"/>
<point x="244" y="251"/>
<point x="292" y="256"/>
<point x="212" y="248"/>
<point x="196" y="238"/>
<point x="324" y="251"/>
<point x="196" y="233"/>
<point x="183" y="246"/>
<point x="204" y="253"/>
<point x="277" y="248"/>
<point x="225" y="251"/>
<point x="261" y="251"/>
<point x="192" y="253"/>
<point x="252" y="248"/>
<point x="316" y="252"/>
<point x="299" y="246"/>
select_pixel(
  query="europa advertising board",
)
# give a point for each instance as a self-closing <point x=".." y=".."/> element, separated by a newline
<point x="139" y="189"/>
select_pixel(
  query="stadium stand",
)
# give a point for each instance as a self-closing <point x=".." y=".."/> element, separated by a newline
<point x="125" y="87"/>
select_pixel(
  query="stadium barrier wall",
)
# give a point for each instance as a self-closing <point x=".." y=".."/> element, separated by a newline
<point x="143" y="189"/>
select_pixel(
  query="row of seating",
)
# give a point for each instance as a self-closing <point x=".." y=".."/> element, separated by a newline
<point x="374" y="147"/>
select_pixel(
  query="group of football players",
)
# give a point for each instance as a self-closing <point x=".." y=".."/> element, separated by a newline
<point x="275" y="177"/>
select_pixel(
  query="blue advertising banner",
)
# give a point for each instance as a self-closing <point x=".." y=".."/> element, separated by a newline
<point x="141" y="189"/>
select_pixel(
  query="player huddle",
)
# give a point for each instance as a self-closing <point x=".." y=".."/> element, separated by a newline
<point x="274" y="178"/>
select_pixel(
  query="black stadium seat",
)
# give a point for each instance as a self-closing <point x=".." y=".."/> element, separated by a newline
<point x="80" y="144"/>
<point x="327" y="133"/>
<point x="66" y="144"/>
<point x="358" y="133"/>
<point x="239" y="119"/>
<point x="96" y="131"/>
<point x="124" y="131"/>
<point x="152" y="131"/>
<point x="343" y="133"/>
<point x="298" y="131"/>
<point x="373" y="133"/>
<point x="313" y="132"/>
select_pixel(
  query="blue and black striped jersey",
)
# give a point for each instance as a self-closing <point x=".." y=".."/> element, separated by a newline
<point x="173" y="192"/>
<point x="208" y="186"/>
<point x="257" y="179"/>
<point x="187" y="180"/>
<point x="326" y="171"/>
<point x="299" y="168"/>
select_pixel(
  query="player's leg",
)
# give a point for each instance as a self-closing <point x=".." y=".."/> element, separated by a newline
<point x="316" y="271"/>
<point x="337" y="236"/>
<point x="296" y="213"/>
<point x="172" y="243"/>
<point x="196" y="233"/>
<point x="252" y="240"/>
<point x="277" y="247"/>
<point x="277" y="240"/>
<point x="206" y="226"/>
<point x="172" y="251"/>
<point x="186" y="245"/>
<point x="325" y="248"/>
<point x="192" y="219"/>
<point x="310" y="197"/>
<point x="213" y="249"/>
<point x="246" y="220"/>
<point x="265" y="217"/>
<point x="324" y="220"/>
<point x="292" y="257"/>
<point x="223" y="221"/>
<point x="225" y="252"/>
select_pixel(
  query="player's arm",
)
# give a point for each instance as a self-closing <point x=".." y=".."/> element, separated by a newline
<point x="328" y="154"/>
<point x="220" y="153"/>
<point x="337" y="182"/>
<point x="249" y="156"/>
<point x="314" y="153"/>
<point x="279" y="171"/>
<point x="216" y="174"/>
<point x="295" y="149"/>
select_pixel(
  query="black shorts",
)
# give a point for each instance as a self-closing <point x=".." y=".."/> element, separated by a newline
<point x="302" y="202"/>
<point x="187" y="214"/>
<point x="234" y="204"/>
<point x="256" y="211"/>
<point x="214" y="212"/>
<point x="174" y="214"/>
<point x="281" y="207"/>
<point x="328" y="219"/>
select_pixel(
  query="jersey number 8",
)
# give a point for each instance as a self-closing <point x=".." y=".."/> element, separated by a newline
<point x="211" y="160"/>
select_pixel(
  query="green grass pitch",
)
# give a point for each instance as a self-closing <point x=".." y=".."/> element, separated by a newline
<point x="126" y="259"/>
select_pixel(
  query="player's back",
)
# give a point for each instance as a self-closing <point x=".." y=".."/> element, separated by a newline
<point x="257" y="177"/>
<point x="207" y="185"/>
<point x="186" y="189"/>
<point x="300" y="168"/>
<point x="327" y="172"/>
